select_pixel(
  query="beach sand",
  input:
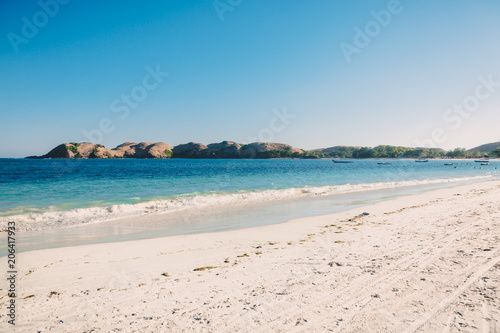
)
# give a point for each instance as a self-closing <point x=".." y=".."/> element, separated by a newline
<point x="427" y="262"/>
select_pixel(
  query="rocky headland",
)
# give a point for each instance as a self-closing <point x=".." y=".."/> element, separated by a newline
<point x="259" y="150"/>
<point x="225" y="149"/>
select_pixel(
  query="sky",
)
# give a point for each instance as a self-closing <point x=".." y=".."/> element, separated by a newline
<point x="308" y="73"/>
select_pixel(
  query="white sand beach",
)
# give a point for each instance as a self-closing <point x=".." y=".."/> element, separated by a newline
<point x="422" y="263"/>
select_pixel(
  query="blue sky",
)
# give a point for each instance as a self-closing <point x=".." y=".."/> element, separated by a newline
<point x="230" y="69"/>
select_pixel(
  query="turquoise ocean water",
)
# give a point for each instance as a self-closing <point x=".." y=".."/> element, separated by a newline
<point x="162" y="197"/>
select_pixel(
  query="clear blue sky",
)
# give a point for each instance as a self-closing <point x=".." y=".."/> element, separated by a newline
<point x="226" y="76"/>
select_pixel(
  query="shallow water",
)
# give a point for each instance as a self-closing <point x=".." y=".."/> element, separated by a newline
<point x="200" y="189"/>
<point x="38" y="186"/>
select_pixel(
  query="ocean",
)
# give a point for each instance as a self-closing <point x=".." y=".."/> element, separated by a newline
<point x="118" y="199"/>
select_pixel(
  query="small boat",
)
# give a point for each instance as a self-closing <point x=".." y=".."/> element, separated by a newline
<point x="422" y="161"/>
<point x="448" y="164"/>
<point x="485" y="164"/>
<point x="482" y="161"/>
<point x="341" y="161"/>
<point x="383" y="163"/>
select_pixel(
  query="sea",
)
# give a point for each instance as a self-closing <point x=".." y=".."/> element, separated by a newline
<point x="58" y="203"/>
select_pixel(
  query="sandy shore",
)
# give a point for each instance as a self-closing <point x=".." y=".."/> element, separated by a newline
<point x="426" y="263"/>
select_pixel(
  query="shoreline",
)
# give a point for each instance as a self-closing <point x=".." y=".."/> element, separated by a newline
<point x="492" y="158"/>
<point x="275" y="277"/>
<point x="227" y="218"/>
<point x="45" y="221"/>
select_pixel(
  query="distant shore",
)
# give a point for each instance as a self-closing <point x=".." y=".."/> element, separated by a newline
<point x="255" y="150"/>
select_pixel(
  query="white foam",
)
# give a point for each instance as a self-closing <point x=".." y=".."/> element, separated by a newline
<point x="75" y="217"/>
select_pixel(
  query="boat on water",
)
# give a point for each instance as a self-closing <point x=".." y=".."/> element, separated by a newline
<point x="383" y="163"/>
<point x="482" y="161"/>
<point x="421" y="160"/>
<point x="449" y="164"/>
<point x="341" y="161"/>
<point x="485" y="163"/>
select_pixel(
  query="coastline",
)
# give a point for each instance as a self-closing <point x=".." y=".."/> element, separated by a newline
<point x="57" y="219"/>
<point x="230" y="149"/>
<point x="298" y="275"/>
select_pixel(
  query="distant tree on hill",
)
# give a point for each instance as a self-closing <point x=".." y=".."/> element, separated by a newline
<point x="457" y="153"/>
<point x="364" y="152"/>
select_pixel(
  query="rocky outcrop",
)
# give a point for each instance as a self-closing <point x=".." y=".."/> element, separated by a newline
<point x="224" y="149"/>
<point x="269" y="150"/>
<point x="159" y="150"/>
<point x="190" y="150"/>
<point x="143" y="150"/>
<point x="125" y="150"/>
<point x="73" y="150"/>
<point x="229" y="149"/>
<point x="60" y="151"/>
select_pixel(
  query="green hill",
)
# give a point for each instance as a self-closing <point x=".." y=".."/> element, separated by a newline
<point x="487" y="148"/>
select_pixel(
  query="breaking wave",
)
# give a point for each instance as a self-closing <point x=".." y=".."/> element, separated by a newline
<point x="79" y="216"/>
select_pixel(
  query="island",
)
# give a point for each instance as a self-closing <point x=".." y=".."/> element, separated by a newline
<point x="257" y="150"/>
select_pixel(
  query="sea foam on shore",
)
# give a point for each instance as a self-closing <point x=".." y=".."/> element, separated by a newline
<point x="425" y="262"/>
<point x="75" y="217"/>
